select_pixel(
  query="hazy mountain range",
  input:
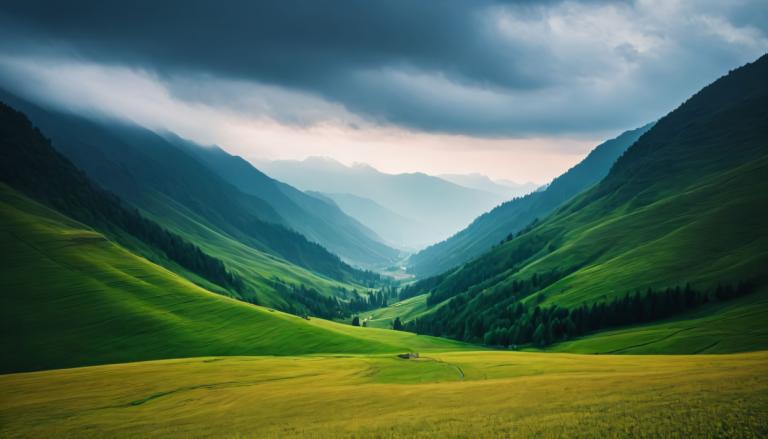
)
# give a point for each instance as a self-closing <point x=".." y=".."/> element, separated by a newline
<point x="430" y="203"/>
<point x="507" y="189"/>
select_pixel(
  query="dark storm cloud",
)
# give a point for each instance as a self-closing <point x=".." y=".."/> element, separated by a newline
<point x="479" y="67"/>
<point x="295" y="42"/>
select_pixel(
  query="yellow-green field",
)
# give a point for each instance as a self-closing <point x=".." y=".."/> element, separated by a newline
<point x="451" y="395"/>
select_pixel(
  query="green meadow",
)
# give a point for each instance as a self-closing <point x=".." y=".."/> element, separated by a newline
<point x="257" y="268"/>
<point x="440" y="395"/>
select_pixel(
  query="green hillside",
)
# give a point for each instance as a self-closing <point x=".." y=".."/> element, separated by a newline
<point x="514" y="215"/>
<point x="736" y="326"/>
<point x="686" y="204"/>
<point x="70" y="297"/>
<point x="407" y="309"/>
<point x="320" y="221"/>
<point x="259" y="270"/>
<point x="139" y="165"/>
<point x="185" y="243"/>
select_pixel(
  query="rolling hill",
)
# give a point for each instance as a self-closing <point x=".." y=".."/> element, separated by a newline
<point x="512" y="216"/>
<point x="29" y="164"/>
<point x="684" y="205"/>
<point x="71" y="297"/>
<point x="190" y="199"/>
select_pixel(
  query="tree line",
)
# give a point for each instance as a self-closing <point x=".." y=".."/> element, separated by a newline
<point x="518" y="323"/>
<point x="303" y="300"/>
<point x="475" y="276"/>
<point x="177" y="249"/>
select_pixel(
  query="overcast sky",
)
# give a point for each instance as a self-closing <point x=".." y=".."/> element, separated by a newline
<point x="511" y="89"/>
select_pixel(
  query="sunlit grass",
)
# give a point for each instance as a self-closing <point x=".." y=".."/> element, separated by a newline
<point x="465" y="394"/>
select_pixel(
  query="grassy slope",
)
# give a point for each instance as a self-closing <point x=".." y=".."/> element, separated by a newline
<point x="70" y="298"/>
<point x="407" y="309"/>
<point x="512" y="216"/>
<point x="736" y="326"/>
<point x="665" y="246"/>
<point x="685" y="204"/>
<point x="452" y="395"/>
<point x="133" y="163"/>
<point x="665" y="238"/>
<point x="318" y="220"/>
<point x="256" y="267"/>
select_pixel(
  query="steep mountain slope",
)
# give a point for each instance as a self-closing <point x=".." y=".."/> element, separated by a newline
<point x="492" y="227"/>
<point x="70" y="297"/>
<point x="393" y="228"/>
<point x="686" y="204"/>
<point x="149" y="172"/>
<point x="29" y="164"/>
<point x="423" y="198"/>
<point x="319" y="221"/>
<point x="505" y="188"/>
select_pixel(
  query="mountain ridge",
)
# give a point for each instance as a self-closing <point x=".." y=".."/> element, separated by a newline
<point x="319" y="221"/>
<point x="512" y="216"/>
<point x="131" y="162"/>
<point x="683" y="207"/>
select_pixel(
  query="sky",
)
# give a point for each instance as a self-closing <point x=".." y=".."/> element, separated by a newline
<point x="512" y="89"/>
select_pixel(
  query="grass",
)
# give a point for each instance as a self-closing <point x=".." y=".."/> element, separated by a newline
<point x="407" y="309"/>
<point x="448" y="395"/>
<point x="69" y="297"/>
<point x="736" y="326"/>
<point x="622" y="249"/>
<point x="665" y="246"/>
<point x="711" y="231"/>
<point x="256" y="267"/>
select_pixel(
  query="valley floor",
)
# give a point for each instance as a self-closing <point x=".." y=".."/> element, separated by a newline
<point x="441" y="395"/>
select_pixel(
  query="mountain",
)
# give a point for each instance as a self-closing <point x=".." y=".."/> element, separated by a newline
<point x="504" y="188"/>
<point x="420" y="197"/>
<point x="74" y="292"/>
<point x="676" y="230"/>
<point x="318" y="220"/>
<point x="29" y="164"/>
<point x="71" y="297"/>
<point x="512" y="216"/>
<point x="180" y="193"/>
<point x="393" y="228"/>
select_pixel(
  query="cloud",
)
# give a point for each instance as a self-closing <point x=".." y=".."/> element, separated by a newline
<point x="237" y="117"/>
<point x="484" y="68"/>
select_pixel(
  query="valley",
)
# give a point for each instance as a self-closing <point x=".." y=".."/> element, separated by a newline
<point x="543" y="240"/>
